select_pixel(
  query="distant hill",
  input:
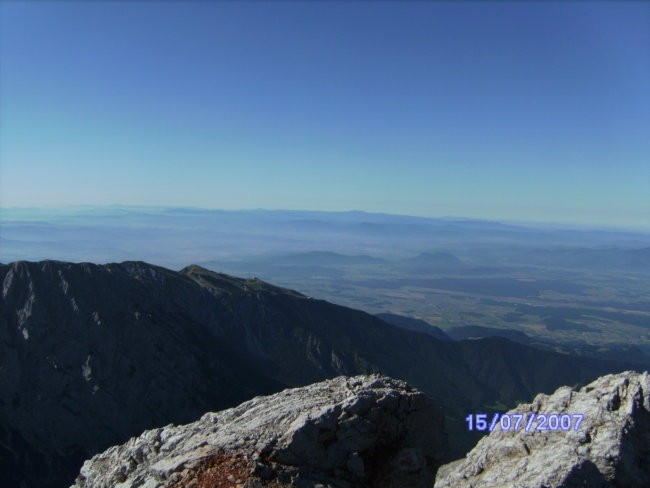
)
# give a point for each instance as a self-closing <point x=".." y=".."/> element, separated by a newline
<point x="91" y="355"/>
<point x="414" y="324"/>
<point x="479" y="332"/>
<point x="324" y="258"/>
<point x="434" y="259"/>
<point x="612" y="352"/>
<point x="611" y="258"/>
<point x="428" y="262"/>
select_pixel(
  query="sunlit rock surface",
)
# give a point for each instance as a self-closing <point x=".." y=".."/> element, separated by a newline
<point x="611" y="447"/>
<point x="362" y="431"/>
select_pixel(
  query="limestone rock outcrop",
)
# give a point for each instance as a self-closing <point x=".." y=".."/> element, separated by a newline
<point x="362" y="431"/>
<point x="611" y="446"/>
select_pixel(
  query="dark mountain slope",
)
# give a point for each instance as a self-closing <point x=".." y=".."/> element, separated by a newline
<point x="612" y="352"/>
<point x="24" y="464"/>
<point x="299" y="340"/>
<point x="479" y="332"/>
<point x="516" y="372"/>
<point x="91" y="355"/>
<point x="410" y="323"/>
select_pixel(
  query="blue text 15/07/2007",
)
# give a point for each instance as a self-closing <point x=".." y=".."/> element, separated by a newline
<point x="527" y="422"/>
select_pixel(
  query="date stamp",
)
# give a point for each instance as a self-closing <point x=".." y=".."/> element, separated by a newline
<point x="526" y="422"/>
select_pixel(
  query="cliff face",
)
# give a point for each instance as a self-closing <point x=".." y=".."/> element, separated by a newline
<point x="90" y="355"/>
<point x="611" y="446"/>
<point x="363" y="431"/>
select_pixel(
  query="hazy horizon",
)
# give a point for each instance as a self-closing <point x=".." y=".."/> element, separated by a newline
<point x="532" y="112"/>
<point x="41" y="213"/>
<point x="176" y="237"/>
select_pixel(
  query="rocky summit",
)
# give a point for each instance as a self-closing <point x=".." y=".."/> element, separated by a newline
<point x="362" y="431"/>
<point x="610" y="448"/>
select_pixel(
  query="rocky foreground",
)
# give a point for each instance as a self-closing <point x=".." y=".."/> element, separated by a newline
<point x="611" y="447"/>
<point x="346" y="432"/>
<point x="92" y="355"/>
<point x="373" y="431"/>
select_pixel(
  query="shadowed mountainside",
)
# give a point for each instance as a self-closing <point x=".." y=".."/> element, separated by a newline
<point x="416" y="325"/>
<point x="91" y="355"/>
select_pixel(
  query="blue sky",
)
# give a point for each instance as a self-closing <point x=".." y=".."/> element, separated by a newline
<point x="530" y="112"/>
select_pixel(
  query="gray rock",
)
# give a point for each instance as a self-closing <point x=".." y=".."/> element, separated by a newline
<point x="362" y="431"/>
<point x="611" y="447"/>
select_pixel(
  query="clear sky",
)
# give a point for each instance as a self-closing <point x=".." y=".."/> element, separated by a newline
<point x="534" y="111"/>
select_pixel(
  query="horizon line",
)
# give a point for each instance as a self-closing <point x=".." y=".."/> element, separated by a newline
<point x="548" y="224"/>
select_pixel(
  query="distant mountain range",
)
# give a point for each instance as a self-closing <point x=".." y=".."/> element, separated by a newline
<point x="91" y="355"/>
<point x="176" y="236"/>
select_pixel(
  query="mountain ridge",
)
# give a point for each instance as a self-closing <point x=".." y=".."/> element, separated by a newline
<point x="111" y="350"/>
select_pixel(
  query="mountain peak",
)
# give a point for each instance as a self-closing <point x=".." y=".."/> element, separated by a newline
<point x="218" y="283"/>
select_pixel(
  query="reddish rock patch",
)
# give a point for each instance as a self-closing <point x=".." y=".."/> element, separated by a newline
<point x="220" y="471"/>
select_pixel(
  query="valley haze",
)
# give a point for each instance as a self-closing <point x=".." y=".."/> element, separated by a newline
<point x="576" y="290"/>
<point x="176" y="237"/>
